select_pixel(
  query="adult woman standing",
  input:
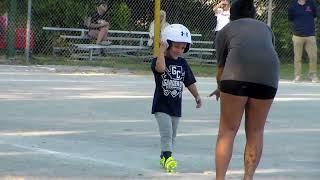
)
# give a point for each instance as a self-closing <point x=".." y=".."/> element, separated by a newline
<point x="247" y="77"/>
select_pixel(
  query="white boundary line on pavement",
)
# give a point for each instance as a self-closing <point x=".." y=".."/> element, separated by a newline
<point x="71" y="156"/>
<point x="215" y="132"/>
<point x="147" y="171"/>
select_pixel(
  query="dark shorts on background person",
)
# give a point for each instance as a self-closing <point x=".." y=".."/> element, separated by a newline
<point x="248" y="89"/>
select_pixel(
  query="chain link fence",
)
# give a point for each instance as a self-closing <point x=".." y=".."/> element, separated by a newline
<point x="57" y="27"/>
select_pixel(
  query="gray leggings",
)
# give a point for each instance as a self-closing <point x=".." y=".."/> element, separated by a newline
<point x="168" y="130"/>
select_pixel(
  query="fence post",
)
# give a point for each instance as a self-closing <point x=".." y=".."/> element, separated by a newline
<point x="269" y="13"/>
<point x="11" y="29"/>
<point x="156" y="27"/>
<point x="28" y="32"/>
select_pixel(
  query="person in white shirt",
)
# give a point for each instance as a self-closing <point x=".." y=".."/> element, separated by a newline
<point x="163" y="24"/>
<point x="222" y="12"/>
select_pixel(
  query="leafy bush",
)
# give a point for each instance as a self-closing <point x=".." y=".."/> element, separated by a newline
<point x="120" y="16"/>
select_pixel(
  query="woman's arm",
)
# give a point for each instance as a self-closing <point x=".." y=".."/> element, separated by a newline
<point x="222" y="52"/>
<point x="218" y="75"/>
<point x="102" y="24"/>
<point x="218" y="78"/>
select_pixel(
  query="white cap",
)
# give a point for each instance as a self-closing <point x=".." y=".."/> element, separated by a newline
<point x="176" y="33"/>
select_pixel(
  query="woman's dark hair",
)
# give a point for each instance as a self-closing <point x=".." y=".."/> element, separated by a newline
<point x="102" y="2"/>
<point x="242" y="9"/>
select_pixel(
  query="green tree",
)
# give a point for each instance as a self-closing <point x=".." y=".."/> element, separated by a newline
<point x="120" y="16"/>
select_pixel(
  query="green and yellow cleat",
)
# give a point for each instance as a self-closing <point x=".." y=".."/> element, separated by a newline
<point x="162" y="162"/>
<point x="170" y="165"/>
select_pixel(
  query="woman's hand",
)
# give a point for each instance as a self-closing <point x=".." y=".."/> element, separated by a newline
<point x="216" y="93"/>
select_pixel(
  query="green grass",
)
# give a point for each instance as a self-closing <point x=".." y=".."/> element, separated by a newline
<point x="287" y="71"/>
<point x="132" y="64"/>
<point x="138" y="66"/>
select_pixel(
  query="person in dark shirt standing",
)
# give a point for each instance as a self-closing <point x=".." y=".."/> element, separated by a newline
<point x="171" y="73"/>
<point x="247" y="79"/>
<point x="302" y="17"/>
<point x="98" y="24"/>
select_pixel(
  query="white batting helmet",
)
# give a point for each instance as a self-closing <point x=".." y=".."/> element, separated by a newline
<point x="177" y="33"/>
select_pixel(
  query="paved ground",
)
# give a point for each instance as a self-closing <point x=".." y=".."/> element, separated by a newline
<point x="57" y="125"/>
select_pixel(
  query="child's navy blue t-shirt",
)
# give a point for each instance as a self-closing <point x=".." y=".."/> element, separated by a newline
<point x="169" y="86"/>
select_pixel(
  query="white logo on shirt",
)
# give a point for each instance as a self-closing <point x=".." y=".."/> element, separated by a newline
<point x="172" y="81"/>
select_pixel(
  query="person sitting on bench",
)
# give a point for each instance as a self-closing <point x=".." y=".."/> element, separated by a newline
<point x="98" y="23"/>
<point x="163" y="24"/>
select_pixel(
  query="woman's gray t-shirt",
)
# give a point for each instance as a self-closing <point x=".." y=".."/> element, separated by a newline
<point x="246" y="50"/>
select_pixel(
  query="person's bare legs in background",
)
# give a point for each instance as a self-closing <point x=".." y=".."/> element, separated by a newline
<point x="100" y="34"/>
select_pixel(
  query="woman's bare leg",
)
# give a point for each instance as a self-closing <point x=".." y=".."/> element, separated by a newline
<point x="93" y="33"/>
<point x="99" y="35"/>
<point x="256" y="114"/>
<point x="231" y="112"/>
<point x="102" y="35"/>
